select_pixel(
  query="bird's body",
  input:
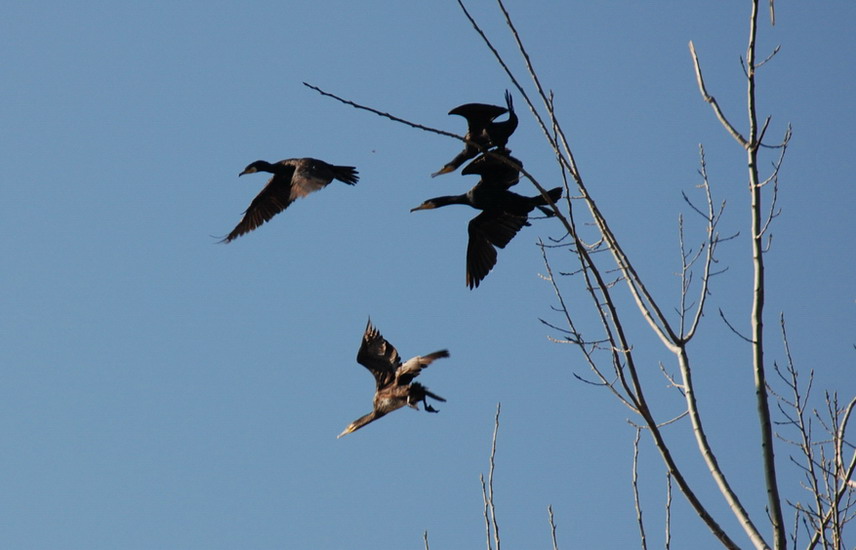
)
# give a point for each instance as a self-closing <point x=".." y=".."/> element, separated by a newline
<point x="394" y="380"/>
<point x="497" y="168"/>
<point x="503" y="214"/>
<point x="291" y="180"/>
<point x="482" y="132"/>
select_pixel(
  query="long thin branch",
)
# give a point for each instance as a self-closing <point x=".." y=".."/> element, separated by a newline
<point x="757" y="316"/>
<point x="635" y="483"/>
<point x="384" y="114"/>
<point x="486" y="513"/>
<point x="710" y="99"/>
<point x="490" y="478"/>
<point x="668" y="541"/>
<point x="712" y="240"/>
<point x="751" y="145"/>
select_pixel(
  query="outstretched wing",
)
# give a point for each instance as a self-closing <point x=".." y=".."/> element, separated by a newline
<point x="488" y="229"/>
<point x="378" y="355"/>
<point x="273" y="199"/>
<point x="411" y="369"/>
<point x="478" y="115"/>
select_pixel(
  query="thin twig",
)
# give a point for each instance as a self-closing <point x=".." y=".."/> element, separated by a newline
<point x="734" y="330"/>
<point x="634" y="482"/>
<point x="486" y="512"/>
<point x="710" y="99"/>
<point x="490" y="478"/>
<point x="552" y="528"/>
<point x="384" y="114"/>
<point x="668" y="540"/>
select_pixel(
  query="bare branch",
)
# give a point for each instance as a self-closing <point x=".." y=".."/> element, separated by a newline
<point x="385" y="115"/>
<point x="769" y="57"/>
<point x="634" y="482"/>
<point x="490" y="494"/>
<point x="710" y="99"/>
<point x="552" y="528"/>
<point x="486" y="512"/>
<point x="734" y="330"/>
<point x="774" y="501"/>
<point x="668" y="541"/>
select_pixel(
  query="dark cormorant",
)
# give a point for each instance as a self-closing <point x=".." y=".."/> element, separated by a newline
<point x="292" y="179"/>
<point x="482" y="132"/>
<point x="395" y="386"/>
<point x="504" y="213"/>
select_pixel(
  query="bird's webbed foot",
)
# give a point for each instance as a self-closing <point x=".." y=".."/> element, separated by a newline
<point x="429" y="408"/>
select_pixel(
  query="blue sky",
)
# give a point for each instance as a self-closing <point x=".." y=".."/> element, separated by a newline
<point x="159" y="390"/>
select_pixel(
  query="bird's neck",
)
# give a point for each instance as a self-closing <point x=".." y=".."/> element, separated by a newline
<point x="450" y="199"/>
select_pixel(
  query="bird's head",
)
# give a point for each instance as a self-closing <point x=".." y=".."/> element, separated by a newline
<point x="360" y="422"/>
<point x="256" y="166"/>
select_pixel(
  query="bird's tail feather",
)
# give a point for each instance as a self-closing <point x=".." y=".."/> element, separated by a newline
<point x="347" y="174"/>
<point x="554" y="194"/>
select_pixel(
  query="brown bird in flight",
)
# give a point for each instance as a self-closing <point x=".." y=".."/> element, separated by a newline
<point x="292" y="179"/>
<point x="395" y="386"/>
<point x="482" y="132"/>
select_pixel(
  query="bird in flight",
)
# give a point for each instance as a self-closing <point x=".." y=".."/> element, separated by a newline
<point x="482" y="131"/>
<point x="291" y="180"/>
<point x="503" y="214"/>
<point x="395" y="385"/>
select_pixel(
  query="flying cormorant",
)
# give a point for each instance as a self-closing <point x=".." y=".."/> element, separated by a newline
<point x="482" y="132"/>
<point x="292" y="179"/>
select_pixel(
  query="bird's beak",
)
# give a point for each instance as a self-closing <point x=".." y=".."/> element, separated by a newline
<point x="423" y="206"/>
<point x="444" y="170"/>
<point x="348" y="430"/>
<point x="247" y="171"/>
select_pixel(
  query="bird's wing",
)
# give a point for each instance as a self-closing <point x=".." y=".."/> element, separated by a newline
<point x="411" y="368"/>
<point x="273" y="199"/>
<point x="310" y="175"/>
<point x="488" y="229"/>
<point x="495" y="172"/>
<point x="378" y="355"/>
<point x="478" y="114"/>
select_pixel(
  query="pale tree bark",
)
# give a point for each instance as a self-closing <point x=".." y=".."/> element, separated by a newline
<point x="758" y="227"/>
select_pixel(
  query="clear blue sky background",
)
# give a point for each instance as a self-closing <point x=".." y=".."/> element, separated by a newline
<point x="158" y="390"/>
